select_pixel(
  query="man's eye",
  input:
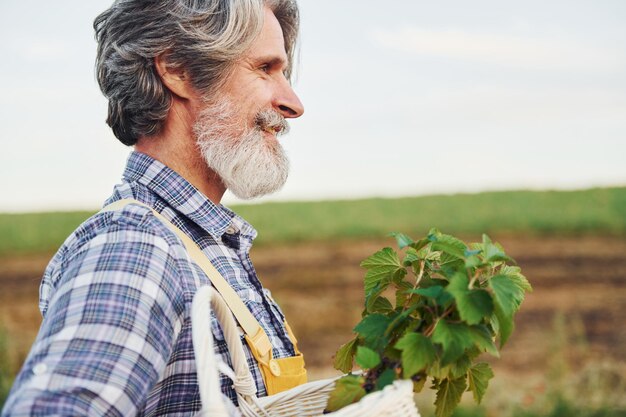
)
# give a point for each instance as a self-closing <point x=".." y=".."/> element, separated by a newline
<point x="264" y="68"/>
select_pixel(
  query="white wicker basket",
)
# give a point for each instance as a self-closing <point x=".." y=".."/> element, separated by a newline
<point x="305" y="400"/>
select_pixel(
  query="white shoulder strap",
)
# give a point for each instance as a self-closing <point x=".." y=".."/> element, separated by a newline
<point x="246" y="320"/>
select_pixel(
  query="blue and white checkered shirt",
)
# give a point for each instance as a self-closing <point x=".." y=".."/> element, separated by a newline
<point x="116" y="300"/>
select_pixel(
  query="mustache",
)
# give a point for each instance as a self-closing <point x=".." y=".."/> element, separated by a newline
<point x="271" y="120"/>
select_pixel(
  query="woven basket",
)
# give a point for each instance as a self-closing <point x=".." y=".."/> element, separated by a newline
<point x="305" y="400"/>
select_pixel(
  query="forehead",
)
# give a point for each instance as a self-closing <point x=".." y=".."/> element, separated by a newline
<point x="270" y="42"/>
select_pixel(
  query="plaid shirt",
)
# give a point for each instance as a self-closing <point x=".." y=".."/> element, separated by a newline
<point x="116" y="300"/>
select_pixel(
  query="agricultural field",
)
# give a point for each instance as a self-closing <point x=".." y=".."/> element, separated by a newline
<point x="570" y="334"/>
<point x="600" y="210"/>
<point x="566" y="357"/>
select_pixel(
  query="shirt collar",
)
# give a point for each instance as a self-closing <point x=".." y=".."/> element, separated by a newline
<point x="183" y="197"/>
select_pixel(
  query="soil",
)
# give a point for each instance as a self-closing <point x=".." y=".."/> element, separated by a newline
<point x="576" y="312"/>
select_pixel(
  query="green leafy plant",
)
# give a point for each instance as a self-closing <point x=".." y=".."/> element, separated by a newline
<point x="431" y="314"/>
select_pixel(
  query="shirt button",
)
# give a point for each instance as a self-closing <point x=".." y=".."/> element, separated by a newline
<point x="231" y="230"/>
<point x="274" y="367"/>
<point x="40" y="369"/>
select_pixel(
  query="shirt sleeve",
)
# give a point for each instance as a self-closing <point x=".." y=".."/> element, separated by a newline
<point x="114" y="314"/>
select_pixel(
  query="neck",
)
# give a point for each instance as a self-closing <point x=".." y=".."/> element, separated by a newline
<point x="175" y="147"/>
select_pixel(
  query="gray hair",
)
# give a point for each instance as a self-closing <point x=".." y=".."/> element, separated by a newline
<point x="202" y="37"/>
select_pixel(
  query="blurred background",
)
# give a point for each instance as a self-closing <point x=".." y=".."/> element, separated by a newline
<point x="498" y="117"/>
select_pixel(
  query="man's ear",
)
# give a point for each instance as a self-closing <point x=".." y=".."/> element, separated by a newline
<point x="174" y="79"/>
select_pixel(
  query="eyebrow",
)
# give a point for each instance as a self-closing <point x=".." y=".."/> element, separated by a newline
<point x="271" y="60"/>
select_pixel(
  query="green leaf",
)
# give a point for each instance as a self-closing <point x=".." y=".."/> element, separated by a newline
<point x="431" y="292"/>
<point x="374" y="303"/>
<point x="402" y="292"/>
<point x="449" y="249"/>
<point x="460" y="367"/>
<point x="386" y="378"/>
<point x="521" y="281"/>
<point x="348" y="390"/>
<point x="382" y="267"/>
<point x="417" y="353"/>
<point x="493" y="252"/>
<point x="437" y="371"/>
<point x="475" y="246"/>
<point x="372" y="295"/>
<point x="449" y="394"/>
<point x="411" y="256"/>
<point x="420" y="244"/>
<point x="448" y="244"/>
<point x="473" y="261"/>
<point x="380" y="305"/>
<point x="472" y="252"/>
<point x="392" y="353"/>
<point x="372" y="328"/>
<point x="483" y="341"/>
<point x="454" y="338"/>
<point x="399" y="320"/>
<point x="449" y="266"/>
<point x="514" y="274"/>
<point x="473" y="352"/>
<point x="345" y="356"/>
<point x="436" y="292"/>
<point x="495" y="325"/>
<point x="366" y="358"/>
<point x="402" y="239"/>
<point x="505" y="325"/>
<point x="478" y="377"/>
<point x="508" y="295"/>
<point x="473" y="305"/>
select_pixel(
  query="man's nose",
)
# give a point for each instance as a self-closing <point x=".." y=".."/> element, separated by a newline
<point x="287" y="102"/>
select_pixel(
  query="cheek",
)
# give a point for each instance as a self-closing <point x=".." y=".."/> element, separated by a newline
<point x="254" y="105"/>
<point x="252" y="97"/>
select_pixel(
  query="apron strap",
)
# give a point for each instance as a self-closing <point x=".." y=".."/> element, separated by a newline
<point x="255" y="335"/>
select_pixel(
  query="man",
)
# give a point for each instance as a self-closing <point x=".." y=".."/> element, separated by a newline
<point x="201" y="90"/>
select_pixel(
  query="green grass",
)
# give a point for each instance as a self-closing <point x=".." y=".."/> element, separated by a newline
<point x="588" y="211"/>
<point x="601" y="210"/>
<point x="36" y="232"/>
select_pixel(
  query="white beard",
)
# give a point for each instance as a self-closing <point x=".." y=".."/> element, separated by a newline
<point x="248" y="164"/>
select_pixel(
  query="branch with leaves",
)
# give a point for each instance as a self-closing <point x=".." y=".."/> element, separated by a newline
<point x="453" y="301"/>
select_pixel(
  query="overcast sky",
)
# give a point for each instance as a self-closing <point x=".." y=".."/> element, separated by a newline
<point x="401" y="98"/>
